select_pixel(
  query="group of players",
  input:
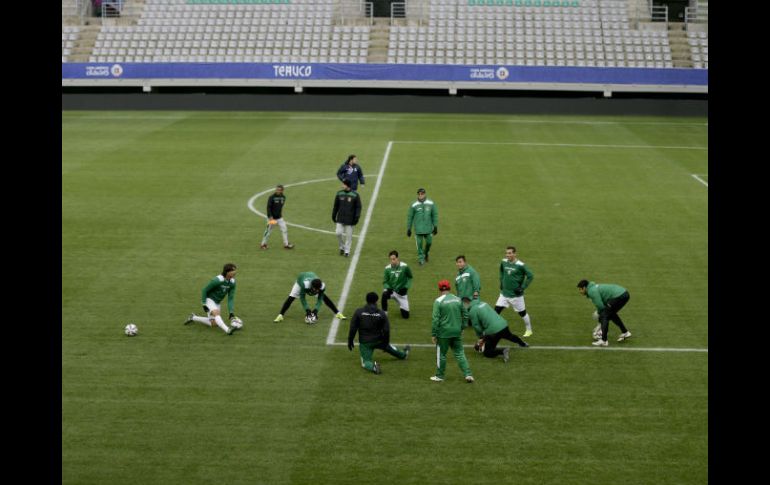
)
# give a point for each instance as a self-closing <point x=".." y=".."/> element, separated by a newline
<point x="451" y="312"/>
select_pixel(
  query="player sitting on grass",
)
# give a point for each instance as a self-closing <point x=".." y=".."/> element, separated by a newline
<point x="212" y="295"/>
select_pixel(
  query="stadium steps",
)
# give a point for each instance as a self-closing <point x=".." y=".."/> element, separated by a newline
<point x="130" y="14"/>
<point x="69" y="13"/>
<point x="379" y="36"/>
<point x="84" y="46"/>
<point x="680" y="49"/>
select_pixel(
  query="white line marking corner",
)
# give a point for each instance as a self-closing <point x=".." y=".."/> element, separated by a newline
<point x="696" y="177"/>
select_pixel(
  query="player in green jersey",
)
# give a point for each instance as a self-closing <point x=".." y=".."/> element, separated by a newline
<point x="396" y="282"/>
<point x="212" y="295"/>
<point x="423" y="214"/>
<point x="515" y="277"/>
<point x="467" y="280"/>
<point x="608" y="300"/>
<point x="490" y="328"/>
<point x="308" y="283"/>
<point x="447" y="332"/>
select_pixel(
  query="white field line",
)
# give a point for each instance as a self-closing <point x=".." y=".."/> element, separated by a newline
<point x="562" y="347"/>
<point x="571" y="145"/>
<point x="695" y="176"/>
<point x="253" y="199"/>
<point x="357" y="253"/>
<point x="374" y="119"/>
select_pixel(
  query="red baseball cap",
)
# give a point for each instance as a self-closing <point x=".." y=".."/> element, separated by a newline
<point x="444" y="285"/>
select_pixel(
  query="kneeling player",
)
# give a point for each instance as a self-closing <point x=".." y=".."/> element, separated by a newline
<point x="373" y="328"/>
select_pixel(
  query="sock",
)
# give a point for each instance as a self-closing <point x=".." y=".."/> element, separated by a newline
<point x="404" y="314"/>
<point x="330" y="304"/>
<point x="287" y="304"/>
<point x="203" y="320"/>
<point x="221" y="323"/>
<point x="527" y="321"/>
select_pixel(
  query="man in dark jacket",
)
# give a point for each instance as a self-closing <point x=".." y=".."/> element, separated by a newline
<point x="373" y="330"/>
<point x="275" y="217"/>
<point x="347" y="210"/>
<point x="351" y="172"/>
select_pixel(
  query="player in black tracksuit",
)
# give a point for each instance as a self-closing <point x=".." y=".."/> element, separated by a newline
<point x="373" y="330"/>
<point x="346" y="211"/>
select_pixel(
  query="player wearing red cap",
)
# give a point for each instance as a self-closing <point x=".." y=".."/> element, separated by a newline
<point x="447" y="331"/>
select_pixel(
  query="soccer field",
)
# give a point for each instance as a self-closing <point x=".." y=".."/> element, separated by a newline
<point x="154" y="203"/>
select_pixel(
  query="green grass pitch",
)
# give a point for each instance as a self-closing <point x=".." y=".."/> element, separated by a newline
<point x="154" y="203"/>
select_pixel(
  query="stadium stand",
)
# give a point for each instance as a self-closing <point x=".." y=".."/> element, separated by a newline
<point x="531" y="33"/>
<point x="591" y="33"/>
<point x="699" y="48"/>
<point x="233" y="31"/>
<point x="69" y="35"/>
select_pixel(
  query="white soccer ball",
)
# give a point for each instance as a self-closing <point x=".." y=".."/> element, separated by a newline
<point x="131" y="330"/>
<point x="311" y="318"/>
<point x="236" y="323"/>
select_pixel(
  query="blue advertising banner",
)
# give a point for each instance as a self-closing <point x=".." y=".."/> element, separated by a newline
<point x="387" y="72"/>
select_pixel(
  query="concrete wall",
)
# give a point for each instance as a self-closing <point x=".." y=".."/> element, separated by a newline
<point x="521" y="103"/>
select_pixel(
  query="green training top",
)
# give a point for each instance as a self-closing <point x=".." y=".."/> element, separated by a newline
<point x="600" y="294"/>
<point x="447" y="317"/>
<point x="217" y="288"/>
<point x="514" y="276"/>
<point x="303" y="281"/>
<point x="424" y="216"/>
<point x="485" y="319"/>
<point x="468" y="281"/>
<point x="397" y="278"/>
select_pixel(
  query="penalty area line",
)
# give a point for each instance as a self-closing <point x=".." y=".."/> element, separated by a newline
<point x="565" y="347"/>
<point x="332" y="336"/>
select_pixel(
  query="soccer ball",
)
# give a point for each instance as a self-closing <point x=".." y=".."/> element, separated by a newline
<point x="479" y="346"/>
<point x="131" y="330"/>
<point x="311" y="318"/>
<point x="236" y="323"/>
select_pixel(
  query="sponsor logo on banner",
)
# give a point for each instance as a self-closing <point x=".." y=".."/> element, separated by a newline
<point x="477" y="73"/>
<point x="292" y="70"/>
<point x="116" y="70"/>
<point x="97" y="71"/>
<point x="502" y="73"/>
